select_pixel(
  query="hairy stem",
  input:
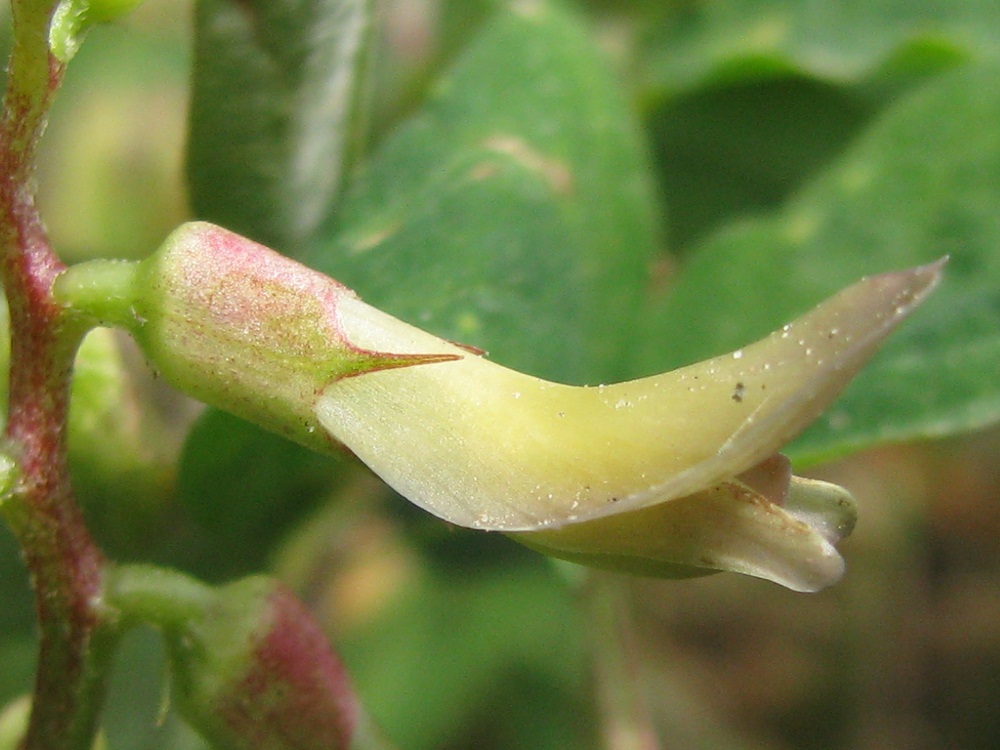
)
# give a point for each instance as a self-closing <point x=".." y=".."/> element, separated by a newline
<point x="65" y="566"/>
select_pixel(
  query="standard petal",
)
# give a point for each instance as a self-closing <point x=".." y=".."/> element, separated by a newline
<point x="483" y="446"/>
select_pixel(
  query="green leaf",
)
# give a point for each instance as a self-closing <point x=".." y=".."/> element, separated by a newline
<point x="493" y="651"/>
<point x="274" y="112"/>
<point x="514" y="211"/>
<point x="924" y="181"/>
<point x="724" y="151"/>
<point x="241" y="484"/>
<point x="695" y="44"/>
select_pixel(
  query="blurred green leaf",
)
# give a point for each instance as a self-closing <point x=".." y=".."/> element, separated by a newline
<point x="18" y="642"/>
<point x="246" y="487"/>
<point x="746" y="101"/>
<point x="470" y="652"/>
<point x="18" y="653"/>
<point x="922" y="182"/>
<point x="460" y="20"/>
<point x="17" y="616"/>
<point x="274" y="112"/>
<point x="725" y="151"/>
<point x="110" y="178"/>
<point x="703" y="43"/>
<point x="514" y="212"/>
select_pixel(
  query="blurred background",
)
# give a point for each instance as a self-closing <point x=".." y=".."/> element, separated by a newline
<point x="457" y="642"/>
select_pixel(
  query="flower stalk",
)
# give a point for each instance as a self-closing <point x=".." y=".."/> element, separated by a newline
<point x="621" y="687"/>
<point x="66" y="567"/>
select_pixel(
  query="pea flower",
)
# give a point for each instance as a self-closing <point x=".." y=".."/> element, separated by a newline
<point x="674" y="474"/>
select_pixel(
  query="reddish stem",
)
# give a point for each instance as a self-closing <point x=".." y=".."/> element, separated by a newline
<point x="64" y="564"/>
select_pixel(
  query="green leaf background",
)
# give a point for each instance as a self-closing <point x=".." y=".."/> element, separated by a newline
<point x="525" y="229"/>
<point x="922" y="182"/>
<point x="280" y="148"/>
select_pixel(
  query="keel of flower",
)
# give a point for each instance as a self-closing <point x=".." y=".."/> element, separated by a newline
<point x="784" y="531"/>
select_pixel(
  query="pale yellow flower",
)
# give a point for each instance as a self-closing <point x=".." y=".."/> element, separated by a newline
<point x="668" y="474"/>
<point x="673" y="474"/>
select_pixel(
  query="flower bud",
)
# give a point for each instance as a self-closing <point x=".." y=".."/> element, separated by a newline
<point x="253" y="670"/>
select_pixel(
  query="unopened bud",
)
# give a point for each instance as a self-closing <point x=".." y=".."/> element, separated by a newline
<point x="257" y="672"/>
<point x="251" y="667"/>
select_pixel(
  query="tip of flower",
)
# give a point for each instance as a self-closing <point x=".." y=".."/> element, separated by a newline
<point x="907" y="288"/>
<point x="800" y="369"/>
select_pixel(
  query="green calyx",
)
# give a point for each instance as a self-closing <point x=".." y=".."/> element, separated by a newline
<point x="233" y="324"/>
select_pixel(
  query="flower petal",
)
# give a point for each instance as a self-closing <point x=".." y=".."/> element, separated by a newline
<point x="729" y="527"/>
<point x="483" y="446"/>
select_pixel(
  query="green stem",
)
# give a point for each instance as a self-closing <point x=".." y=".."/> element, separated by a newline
<point x="102" y="290"/>
<point x="626" y="722"/>
<point x="66" y="567"/>
<point x="157" y="596"/>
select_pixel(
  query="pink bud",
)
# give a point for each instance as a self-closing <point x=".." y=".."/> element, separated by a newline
<point x="256" y="671"/>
